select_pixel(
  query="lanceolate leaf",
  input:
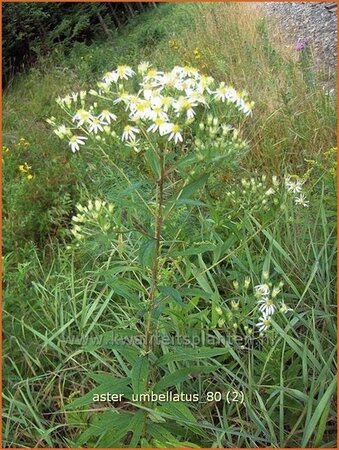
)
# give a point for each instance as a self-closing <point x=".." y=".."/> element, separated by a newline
<point x="191" y="354"/>
<point x="139" y="375"/>
<point x="147" y="253"/>
<point x="193" y="187"/>
<point x="181" y="375"/>
<point x="153" y="161"/>
<point x="311" y="425"/>
<point x="108" y="384"/>
<point x="172" y="293"/>
<point x="136" y="427"/>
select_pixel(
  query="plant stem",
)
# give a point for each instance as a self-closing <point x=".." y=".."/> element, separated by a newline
<point x="155" y="266"/>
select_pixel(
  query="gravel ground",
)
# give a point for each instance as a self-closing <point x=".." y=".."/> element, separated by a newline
<point x="310" y="24"/>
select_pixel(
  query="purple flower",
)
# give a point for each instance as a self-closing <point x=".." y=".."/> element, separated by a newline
<point x="300" y="45"/>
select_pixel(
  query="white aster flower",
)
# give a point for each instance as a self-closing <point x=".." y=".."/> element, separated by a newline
<point x="266" y="306"/>
<point x="262" y="290"/>
<point x="140" y="108"/>
<point x="184" y="104"/>
<point x="174" y="131"/>
<point x="110" y="77"/>
<point x="152" y="75"/>
<point x="95" y="125"/>
<point x="143" y="67"/>
<point x="129" y="133"/>
<point x="124" y="72"/>
<point x="196" y="97"/>
<point x="159" y="124"/>
<point x="155" y="113"/>
<point x="245" y="107"/>
<point x="264" y="323"/>
<point x="221" y="93"/>
<point x="301" y="200"/>
<point x="189" y="71"/>
<point x="82" y="116"/>
<point x="293" y="186"/>
<point x="75" y="142"/>
<point x="107" y="116"/>
<point x="204" y="84"/>
<point x="123" y="97"/>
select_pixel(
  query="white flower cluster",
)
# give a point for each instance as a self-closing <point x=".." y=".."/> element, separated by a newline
<point x="294" y="185"/>
<point x="254" y="194"/>
<point x="263" y="193"/>
<point x="217" y="136"/>
<point x="94" y="217"/>
<point x="164" y="103"/>
<point x="267" y="303"/>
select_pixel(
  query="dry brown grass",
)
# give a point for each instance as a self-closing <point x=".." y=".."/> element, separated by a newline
<point x="293" y="119"/>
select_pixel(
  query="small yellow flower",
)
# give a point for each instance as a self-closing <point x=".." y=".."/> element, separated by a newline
<point x="173" y="44"/>
<point x="197" y="53"/>
<point x="24" y="168"/>
<point x="23" y="143"/>
<point x="29" y="177"/>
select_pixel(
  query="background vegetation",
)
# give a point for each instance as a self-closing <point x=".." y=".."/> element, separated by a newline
<point x="54" y="292"/>
<point x="31" y="30"/>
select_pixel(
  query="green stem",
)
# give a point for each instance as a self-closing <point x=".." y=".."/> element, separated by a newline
<point x="155" y="266"/>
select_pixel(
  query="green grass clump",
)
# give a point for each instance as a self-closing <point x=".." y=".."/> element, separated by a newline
<point x="74" y="309"/>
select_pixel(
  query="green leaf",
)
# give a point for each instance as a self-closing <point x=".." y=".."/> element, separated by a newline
<point x="181" y="375"/>
<point x="108" y="383"/>
<point x="189" y="201"/>
<point x="139" y="375"/>
<point x="177" y="410"/>
<point x="147" y="253"/>
<point x="193" y="187"/>
<point x="171" y="292"/>
<point x="195" y="292"/>
<point x="319" y="411"/>
<point x="160" y="433"/>
<point x="99" y="425"/>
<point x="153" y="161"/>
<point x="136" y="426"/>
<point x="214" y="315"/>
<point x="195" y="250"/>
<point x="191" y="354"/>
<point x="201" y="278"/>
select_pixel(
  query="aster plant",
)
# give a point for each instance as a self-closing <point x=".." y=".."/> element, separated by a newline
<point x="183" y="127"/>
<point x="174" y="120"/>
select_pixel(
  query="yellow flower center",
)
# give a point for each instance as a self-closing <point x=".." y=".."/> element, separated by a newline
<point x="152" y="73"/>
<point x="83" y="115"/>
<point x="159" y="121"/>
<point x="121" y="70"/>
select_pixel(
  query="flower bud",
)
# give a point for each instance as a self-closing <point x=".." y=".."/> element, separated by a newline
<point x="247" y="282"/>
<point x="218" y="310"/>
